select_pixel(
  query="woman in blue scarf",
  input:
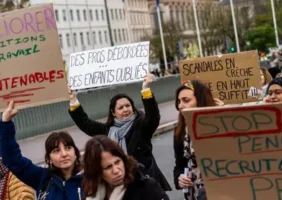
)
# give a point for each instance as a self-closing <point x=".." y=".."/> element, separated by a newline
<point x="130" y="128"/>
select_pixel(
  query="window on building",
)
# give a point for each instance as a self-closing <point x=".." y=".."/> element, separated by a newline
<point x="120" y="14"/>
<point x="100" y="37"/>
<point x="106" y="36"/>
<point x="68" y="39"/>
<point x="81" y="38"/>
<point x="112" y="14"/>
<point x="119" y="35"/>
<point x="132" y="18"/>
<point x="84" y="15"/>
<point x="126" y="33"/>
<point x="97" y="15"/>
<point x="94" y="38"/>
<point x="88" y="38"/>
<point x="78" y="15"/>
<point x="115" y="35"/>
<point x="64" y="15"/>
<point x="183" y="18"/>
<point x="102" y="15"/>
<point x="74" y="39"/>
<point x="177" y="15"/>
<point x="61" y="40"/>
<point x="123" y="34"/>
<point x="57" y="15"/>
<point x="91" y="15"/>
<point x="116" y="12"/>
<point x="71" y="15"/>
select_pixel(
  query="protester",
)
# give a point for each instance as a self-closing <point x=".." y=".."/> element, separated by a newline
<point x="130" y="128"/>
<point x="274" y="72"/>
<point x="190" y="95"/>
<point x="12" y="188"/>
<point x="60" y="181"/>
<point x="265" y="79"/>
<point x="115" y="176"/>
<point x="274" y="91"/>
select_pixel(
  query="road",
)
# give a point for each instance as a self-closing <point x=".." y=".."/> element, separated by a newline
<point x="164" y="154"/>
<point x="34" y="147"/>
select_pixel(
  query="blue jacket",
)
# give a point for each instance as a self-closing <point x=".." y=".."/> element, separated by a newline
<point x="33" y="175"/>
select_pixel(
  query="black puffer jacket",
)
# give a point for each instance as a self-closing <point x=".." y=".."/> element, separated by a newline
<point x="144" y="188"/>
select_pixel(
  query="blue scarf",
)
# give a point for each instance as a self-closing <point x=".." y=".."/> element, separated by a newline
<point x="119" y="130"/>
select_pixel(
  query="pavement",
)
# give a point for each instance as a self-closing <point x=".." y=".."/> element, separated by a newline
<point x="164" y="154"/>
<point x="33" y="148"/>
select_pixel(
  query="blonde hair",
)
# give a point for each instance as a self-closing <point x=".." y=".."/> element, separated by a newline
<point x="267" y="76"/>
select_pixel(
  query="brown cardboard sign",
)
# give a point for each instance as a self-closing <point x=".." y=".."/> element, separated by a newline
<point x="229" y="76"/>
<point x="238" y="150"/>
<point x="32" y="69"/>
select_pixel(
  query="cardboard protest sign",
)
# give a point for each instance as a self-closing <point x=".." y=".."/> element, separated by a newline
<point x="238" y="150"/>
<point x="32" y="69"/>
<point x="109" y="66"/>
<point x="229" y="76"/>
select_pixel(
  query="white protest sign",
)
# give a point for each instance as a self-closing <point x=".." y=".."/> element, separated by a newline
<point x="109" y="66"/>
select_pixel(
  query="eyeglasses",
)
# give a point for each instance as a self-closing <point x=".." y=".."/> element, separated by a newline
<point x="188" y="84"/>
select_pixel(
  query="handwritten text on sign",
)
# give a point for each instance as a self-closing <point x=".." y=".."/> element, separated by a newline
<point x="229" y="77"/>
<point x="115" y="65"/>
<point x="239" y="151"/>
<point x="28" y="39"/>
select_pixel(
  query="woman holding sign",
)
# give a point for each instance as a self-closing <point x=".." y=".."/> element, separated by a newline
<point x="130" y="128"/>
<point x="61" y="180"/>
<point x="187" y="175"/>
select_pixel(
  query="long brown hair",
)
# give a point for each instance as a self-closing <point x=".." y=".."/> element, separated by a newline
<point x="53" y="142"/>
<point x="204" y="98"/>
<point x="267" y="76"/>
<point x="92" y="163"/>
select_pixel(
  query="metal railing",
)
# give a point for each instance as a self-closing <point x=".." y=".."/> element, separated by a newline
<point x="47" y="118"/>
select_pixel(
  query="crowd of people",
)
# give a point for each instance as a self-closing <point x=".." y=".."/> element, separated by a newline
<point x="118" y="163"/>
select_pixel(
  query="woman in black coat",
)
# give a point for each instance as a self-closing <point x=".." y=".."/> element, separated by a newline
<point x="115" y="176"/>
<point x="130" y="128"/>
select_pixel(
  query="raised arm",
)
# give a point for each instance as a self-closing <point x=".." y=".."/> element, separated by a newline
<point x="81" y="119"/>
<point x="152" y="113"/>
<point x="20" y="166"/>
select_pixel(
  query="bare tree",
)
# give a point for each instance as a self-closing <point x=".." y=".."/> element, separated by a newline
<point x="173" y="32"/>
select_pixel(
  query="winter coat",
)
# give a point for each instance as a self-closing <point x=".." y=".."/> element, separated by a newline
<point x="142" y="188"/>
<point x="38" y="178"/>
<point x="15" y="189"/>
<point x="138" y="138"/>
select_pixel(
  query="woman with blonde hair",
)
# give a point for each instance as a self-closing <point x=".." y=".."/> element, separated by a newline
<point x="265" y="79"/>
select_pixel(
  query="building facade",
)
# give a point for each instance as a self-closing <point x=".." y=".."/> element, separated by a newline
<point x="138" y="19"/>
<point x="180" y="13"/>
<point x="83" y="25"/>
